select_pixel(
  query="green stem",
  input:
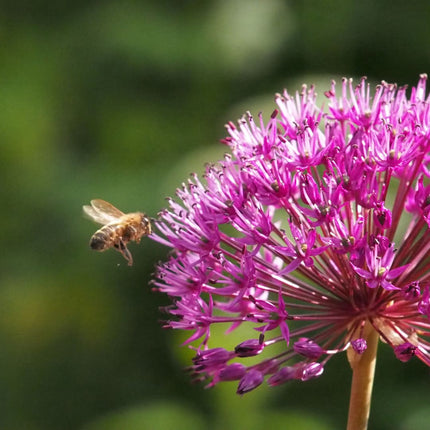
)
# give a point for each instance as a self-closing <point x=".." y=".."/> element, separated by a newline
<point x="363" y="371"/>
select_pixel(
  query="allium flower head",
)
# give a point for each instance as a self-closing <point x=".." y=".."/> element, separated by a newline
<point x="313" y="227"/>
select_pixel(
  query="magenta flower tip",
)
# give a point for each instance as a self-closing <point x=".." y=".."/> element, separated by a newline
<point x="315" y="225"/>
<point x="232" y="372"/>
<point x="405" y="351"/>
<point x="250" y="381"/>
<point x="311" y="370"/>
<point x="308" y="348"/>
<point x="249" y="348"/>
<point x="359" y="345"/>
<point x="284" y="374"/>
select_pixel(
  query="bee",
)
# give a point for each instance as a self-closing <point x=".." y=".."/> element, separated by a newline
<point x="118" y="228"/>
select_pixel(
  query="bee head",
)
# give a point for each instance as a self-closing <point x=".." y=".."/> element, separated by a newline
<point x="146" y="224"/>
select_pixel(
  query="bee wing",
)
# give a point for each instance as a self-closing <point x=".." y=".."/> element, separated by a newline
<point x="102" y="212"/>
<point x="96" y="216"/>
<point x="106" y="208"/>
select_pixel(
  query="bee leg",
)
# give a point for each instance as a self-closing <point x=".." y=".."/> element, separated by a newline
<point x="122" y="248"/>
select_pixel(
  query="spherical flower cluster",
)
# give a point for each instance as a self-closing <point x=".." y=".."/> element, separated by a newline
<point x="316" y="225"/>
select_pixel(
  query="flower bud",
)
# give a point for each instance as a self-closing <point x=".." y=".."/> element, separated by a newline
<point x="249" y="381"/>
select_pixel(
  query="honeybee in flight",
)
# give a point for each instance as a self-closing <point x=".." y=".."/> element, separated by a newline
<point x="118" y="228"/>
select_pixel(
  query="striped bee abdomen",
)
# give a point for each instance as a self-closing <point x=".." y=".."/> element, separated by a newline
<point x="102" y="239"/>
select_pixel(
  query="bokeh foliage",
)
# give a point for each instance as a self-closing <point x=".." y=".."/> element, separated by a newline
<point x="121" y="100"/>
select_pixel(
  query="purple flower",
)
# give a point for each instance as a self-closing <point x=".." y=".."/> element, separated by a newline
<point x="311" y="370"/>
<point x="284" y="374"/>
<point x="379" y="258"/>
<point x="308" y="348"/>
<point x="359" y="345"/>
<point x="301" y="236"/>
<point x="405" y="351"/>
<point x="252" y="379"/>
<point x="232" y="372"/>
<point x="249" y="348"/>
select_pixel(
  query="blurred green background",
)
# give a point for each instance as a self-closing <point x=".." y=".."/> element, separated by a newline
<point x="121" y="100"/>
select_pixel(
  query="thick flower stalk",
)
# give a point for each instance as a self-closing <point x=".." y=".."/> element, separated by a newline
<point x="311" y="234"/>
